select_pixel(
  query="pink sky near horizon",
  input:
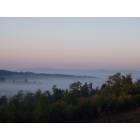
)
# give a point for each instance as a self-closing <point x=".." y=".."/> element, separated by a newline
<point x="85" y="47"/>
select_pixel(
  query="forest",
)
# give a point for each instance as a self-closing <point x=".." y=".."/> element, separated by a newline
<point x="80" y="103"/>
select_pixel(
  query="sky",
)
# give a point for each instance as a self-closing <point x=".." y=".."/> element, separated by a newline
<point x="70" y="43"/>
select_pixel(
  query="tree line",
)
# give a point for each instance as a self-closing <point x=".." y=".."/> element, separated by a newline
<point x="79" y="103"/>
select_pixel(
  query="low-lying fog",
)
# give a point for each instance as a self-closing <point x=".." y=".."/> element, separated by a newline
<point x="12" y="86"/>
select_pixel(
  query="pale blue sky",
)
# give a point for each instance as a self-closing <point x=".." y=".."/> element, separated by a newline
<point x="70" y="43"/>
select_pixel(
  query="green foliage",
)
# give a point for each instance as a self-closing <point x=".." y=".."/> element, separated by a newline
<point x="79" y="103"/>
<point x="41" y="108"/>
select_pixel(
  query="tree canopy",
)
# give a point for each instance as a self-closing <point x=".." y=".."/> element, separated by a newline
<point x="79" y="103"/>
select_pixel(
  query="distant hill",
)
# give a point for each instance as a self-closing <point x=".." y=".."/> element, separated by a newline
<point x="7" y="73"/>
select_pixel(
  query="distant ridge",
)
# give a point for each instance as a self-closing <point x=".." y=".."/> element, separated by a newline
<point x="13" y="73"/>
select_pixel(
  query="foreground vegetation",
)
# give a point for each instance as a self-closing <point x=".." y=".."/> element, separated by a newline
<point x="79" y="103"/>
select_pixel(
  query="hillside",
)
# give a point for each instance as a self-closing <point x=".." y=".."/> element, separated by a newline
<point x="7" y="73"/>
<point x="131" y="116"/>
<point x="118" y="100"/>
